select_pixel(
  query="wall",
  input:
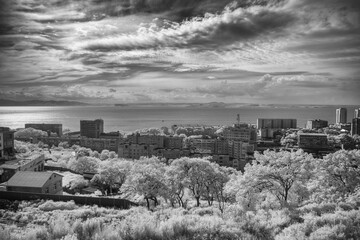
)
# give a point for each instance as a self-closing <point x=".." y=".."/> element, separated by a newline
<point x="24" y="189"/>
<point x="49" y="186"/>
<point x="101" y="202"/>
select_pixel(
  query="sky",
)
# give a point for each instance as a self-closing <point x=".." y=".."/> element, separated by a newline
<point x="181" y="51"/>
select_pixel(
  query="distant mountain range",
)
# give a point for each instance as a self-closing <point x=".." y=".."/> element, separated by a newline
<point x="220" y="105"/>
<point x="6" y="102"/>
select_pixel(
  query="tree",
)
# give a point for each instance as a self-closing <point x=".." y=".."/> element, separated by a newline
<point x="217" y="183"/>
<point x="290" y="139"/>
<point x="146" y="178"/>
<point x="21" y="147"/>
<point x="175" y="182"/>
<point x="197" y="172"/>
<point x="84" y="164"/>
<point x="280" y="174"/>
<point x="346" y="141"/>
<point x="111" y="174"/>
<point x="30" y="133"/>
<point x="356" y="141"/>
<point x="82" y="151"/>
<point x="64" y="145"/>
<point x="336" y="176"/>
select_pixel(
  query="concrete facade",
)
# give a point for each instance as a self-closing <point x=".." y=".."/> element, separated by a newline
<point x="355" y="126"/>
<point x="33" y="163"/>
<point x="316" y="124"/>
<point x="341" y="115"/>
<point x="7" y="151"/>
<point x="91" y="128"/>
<point x="276" y="123"/>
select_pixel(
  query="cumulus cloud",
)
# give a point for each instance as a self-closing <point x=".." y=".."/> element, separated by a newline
<point x="267" y="84"/>
<point x="224" y="28"/>
<point x="179" y="49"/>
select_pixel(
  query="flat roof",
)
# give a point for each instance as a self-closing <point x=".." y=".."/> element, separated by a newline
<point x="313" y="134"/>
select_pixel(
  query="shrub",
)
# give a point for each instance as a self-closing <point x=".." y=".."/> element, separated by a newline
<point x="59" y="227"/>
<point x="211" y="211"/>
<point x="51" y="205"/>
<point x="88" y="229"/>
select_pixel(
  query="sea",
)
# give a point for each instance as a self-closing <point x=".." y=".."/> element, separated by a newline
<point x="127" y="119"/>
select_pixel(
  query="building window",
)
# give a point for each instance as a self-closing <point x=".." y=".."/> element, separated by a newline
<point x="55" y="186"/>
<point x="47" y="190"/>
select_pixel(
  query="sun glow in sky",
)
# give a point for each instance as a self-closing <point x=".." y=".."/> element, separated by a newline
<point x="130" y="51"/>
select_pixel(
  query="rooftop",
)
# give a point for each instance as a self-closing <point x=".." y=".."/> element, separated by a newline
<point x="314" y="134"/>
<point x="30" y="179"/>
<point x="14" y="164"/>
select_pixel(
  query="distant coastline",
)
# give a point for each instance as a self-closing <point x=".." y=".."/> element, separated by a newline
<point x="5" y="102"/>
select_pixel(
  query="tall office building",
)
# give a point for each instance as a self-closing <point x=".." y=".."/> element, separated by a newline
<point x="6" y="143"/>
<point x="91" y="128"/>
<point x="341" y="115"/>
<point x="357" y="113"/>
<point x="355" y="126"/>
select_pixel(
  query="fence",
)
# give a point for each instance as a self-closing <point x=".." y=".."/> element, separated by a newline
<point x="100" y="201"/>
<point x="61" y="169"/>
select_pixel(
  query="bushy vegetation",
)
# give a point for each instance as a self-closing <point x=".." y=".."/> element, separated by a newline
<point x="280" y="195"/>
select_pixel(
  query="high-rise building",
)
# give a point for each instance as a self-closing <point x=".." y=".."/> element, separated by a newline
<point x="315" y="124"/>
<point x="341" y="115"/>
<point x="46" y="127"/>
<point x="91" y="128"/>
<point x="355" y="126"/>
<point x="357" y="113"/>
<point x="7" y="151"/>
<point x="276" y="123"/>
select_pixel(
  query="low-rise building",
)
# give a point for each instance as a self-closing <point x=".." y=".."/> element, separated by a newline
<point x="133" y="151"/>
<point x="241" y="132"/>
<point x="151" y="139"/>
<point x="267" y="133"/>
<point x="32" y="163"/>
<point x="276" y="123"/>
<point x="172" y="142"/>
<point x="110" y="135"/>
<point x="313" y="141"/>
<point x="316" y="124"/>
<point x="221" y="147"/>
<point x="100" y="144"/>
<point x="222" y="160"/>
<point x="201" y="145"/>
<point x="241" y="150"/>
<point x="171" y="153"/>
<point x="35" y="182"/>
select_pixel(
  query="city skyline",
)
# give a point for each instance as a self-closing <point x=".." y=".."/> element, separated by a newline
<point x="280" y="51"/>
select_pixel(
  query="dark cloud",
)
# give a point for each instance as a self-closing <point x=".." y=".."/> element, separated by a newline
<point x="206" y="32"/>
<point x="183" y="49"/>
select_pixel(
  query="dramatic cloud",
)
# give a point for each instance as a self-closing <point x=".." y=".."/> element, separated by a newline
<point x="181" y="50"/>
<point x="212" y="29"/>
